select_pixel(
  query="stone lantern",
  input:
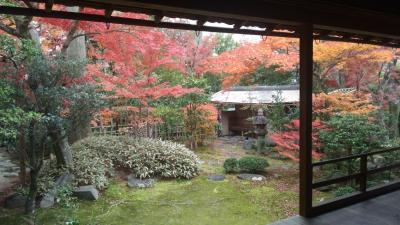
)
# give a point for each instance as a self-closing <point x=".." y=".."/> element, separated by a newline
<point x="260" y="131"/>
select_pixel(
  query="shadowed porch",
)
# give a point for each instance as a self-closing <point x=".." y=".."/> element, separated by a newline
<point x="382" y="210"/>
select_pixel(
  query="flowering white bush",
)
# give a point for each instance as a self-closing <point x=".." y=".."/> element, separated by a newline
<point x="93" y="156"/>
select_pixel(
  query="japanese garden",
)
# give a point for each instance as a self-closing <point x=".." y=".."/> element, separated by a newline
<point x="106" y="123"/>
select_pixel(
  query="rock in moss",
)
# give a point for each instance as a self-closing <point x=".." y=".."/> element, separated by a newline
<point x="88" y="192"/>
<point x="216" y="177"/>
<point x="139" y="183"/>
<point x="251" y="177"/>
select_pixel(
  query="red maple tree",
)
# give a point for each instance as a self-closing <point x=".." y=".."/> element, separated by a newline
<point x="122" y="58"/>
<point x="288" y="141"/>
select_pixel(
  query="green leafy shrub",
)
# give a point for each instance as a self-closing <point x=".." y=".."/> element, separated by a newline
<point x="252" y="164"/>
<point x="65" y="198"/>
<point x="162" y="158"/>
<point x="89" y="166"/>
<point x="231" y="165"/>
<point x="351" y="134"/>
<point x="48" y="175"/>
<point x="344" y="191"/>
<point x="94" y="156"/>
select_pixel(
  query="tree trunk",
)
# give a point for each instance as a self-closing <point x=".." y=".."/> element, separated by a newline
<point x="35" y="166"/>
<point x="22" y="157"/>
<point x="61" y="148"/>
<point x="394" y="110"/>
<point x="75" y="49"/>
<point x="30" y="203"/>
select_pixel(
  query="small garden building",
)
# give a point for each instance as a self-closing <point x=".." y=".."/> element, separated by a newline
<point x="238" y="104"/>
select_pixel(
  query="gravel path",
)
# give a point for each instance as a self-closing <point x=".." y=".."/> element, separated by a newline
<point x="8" y="172"/>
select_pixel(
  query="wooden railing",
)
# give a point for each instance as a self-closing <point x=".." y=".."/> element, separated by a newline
<point x="361" y="176"/>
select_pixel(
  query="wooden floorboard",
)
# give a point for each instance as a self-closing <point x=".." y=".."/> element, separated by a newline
<point x="382" y="210"/>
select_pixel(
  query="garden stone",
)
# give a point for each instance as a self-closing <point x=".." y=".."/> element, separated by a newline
<point x="277" y="175"/>
<point x="251" y="177"/>
<point x="88" y="192"/>
<point x="248" y="144"/>
<point x="270" y="143"/>
<point x="49" y="198"/>
<point x="216" y="177"/>
<point x="15" y="201"/>
<point x="139" y="183"/>
<point x="47" y="201"/>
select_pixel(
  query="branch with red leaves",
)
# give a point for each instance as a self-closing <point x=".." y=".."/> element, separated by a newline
<point x="288" y="141"/>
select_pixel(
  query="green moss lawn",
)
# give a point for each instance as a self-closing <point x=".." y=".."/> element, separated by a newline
<point x="196" y="201"/>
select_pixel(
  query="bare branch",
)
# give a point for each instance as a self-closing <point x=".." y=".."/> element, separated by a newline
<point x="9" y="30"/>
<point x="70" y="35"/>
<point x="69" y="40"/>
<point x="104" y="32"/>
<point x="5" y="58"/>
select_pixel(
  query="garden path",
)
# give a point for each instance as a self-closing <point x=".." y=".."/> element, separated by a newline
<point x="8" y="172"/>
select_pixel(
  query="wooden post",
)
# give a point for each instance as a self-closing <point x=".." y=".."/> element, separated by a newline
<point x="306" y="84"/>
<point x="363" y="171"/>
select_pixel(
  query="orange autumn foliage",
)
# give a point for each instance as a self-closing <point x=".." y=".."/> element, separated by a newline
<point x="349" y="64"/>
<point x="338" y="102"/>
<point x="247" y="58"/>
<point x="211" y="111"/>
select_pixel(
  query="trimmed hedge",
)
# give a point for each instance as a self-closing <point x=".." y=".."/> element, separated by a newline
<point x="231" y="165"/>
<point x="246" y="163"/>
<point x="252" y="164"/>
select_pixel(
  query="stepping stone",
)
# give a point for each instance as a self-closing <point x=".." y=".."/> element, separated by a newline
<point x="10" y="174"/>
<point x="216" y="177"/>
<point x="251" y="177"/>
<point x="139" y="183"/>
<point x="88" y="192"/>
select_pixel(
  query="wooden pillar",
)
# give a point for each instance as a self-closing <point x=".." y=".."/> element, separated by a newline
<point x="306" y="83"/>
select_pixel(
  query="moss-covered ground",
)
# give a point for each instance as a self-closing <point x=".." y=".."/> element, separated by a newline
<point x="197" y="201"/>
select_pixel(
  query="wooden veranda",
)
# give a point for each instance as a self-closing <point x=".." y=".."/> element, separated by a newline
<point x="382" y="210"/>
<point x="369" y="22"/>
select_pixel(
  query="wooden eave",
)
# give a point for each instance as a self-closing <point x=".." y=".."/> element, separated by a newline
<point x="333" y="20"/>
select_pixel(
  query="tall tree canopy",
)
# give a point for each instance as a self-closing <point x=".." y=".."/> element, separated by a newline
<point x="245" y="59"/>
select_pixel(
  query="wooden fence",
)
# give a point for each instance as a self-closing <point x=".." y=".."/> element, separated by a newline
<point x="158" y="131"/>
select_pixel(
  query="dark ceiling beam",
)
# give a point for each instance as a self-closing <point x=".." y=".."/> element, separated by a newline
<point x="108" y="12"/>
<point x="324" y="16"/>
<point x="239" y="24"/>
<point x="128" y="21"/>
<point x="158" y="17"/>
<point x="290" y="12"/>
<point x="201" y="21"/>
<point x="49" y="5"/>
<point x="206" y="8"/>
<point x="320" y="34"/>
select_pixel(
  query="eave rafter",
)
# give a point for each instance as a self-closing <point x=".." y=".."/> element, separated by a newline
<point x="240" y="26"/>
